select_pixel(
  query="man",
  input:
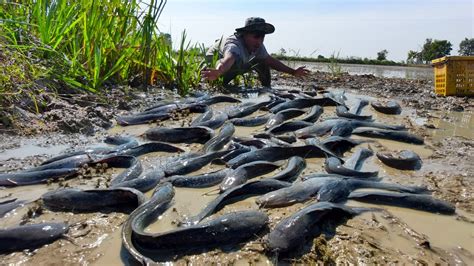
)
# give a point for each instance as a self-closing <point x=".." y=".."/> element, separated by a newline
<point x="243" y="52"/>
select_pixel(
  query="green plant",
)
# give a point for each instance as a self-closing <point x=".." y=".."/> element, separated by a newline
<point x="334" y="67"/>
<point x="90" y="44"/>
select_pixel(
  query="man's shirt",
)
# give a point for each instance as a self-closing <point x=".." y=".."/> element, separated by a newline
<point x="235" y="44"/>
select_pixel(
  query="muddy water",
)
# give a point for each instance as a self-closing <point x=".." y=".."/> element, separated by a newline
<point x="102" y="246"/>
<point x="30" y="149"/>
<point x="452" y="124"/>
<point x="378" y="71"/>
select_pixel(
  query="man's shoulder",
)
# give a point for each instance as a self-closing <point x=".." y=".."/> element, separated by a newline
<point x="234" y="39"/>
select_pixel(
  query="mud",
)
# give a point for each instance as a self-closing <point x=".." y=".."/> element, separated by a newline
<point x="393" y="236"/>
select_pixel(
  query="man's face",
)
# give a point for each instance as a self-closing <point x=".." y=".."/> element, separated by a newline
<point x="253" y="40"/>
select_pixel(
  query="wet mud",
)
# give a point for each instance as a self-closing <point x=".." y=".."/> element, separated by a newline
<point x="394" y="235"/>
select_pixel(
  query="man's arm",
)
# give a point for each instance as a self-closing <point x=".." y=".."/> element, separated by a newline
<point x="279" y="66"/>
<point x="222" y="66"/>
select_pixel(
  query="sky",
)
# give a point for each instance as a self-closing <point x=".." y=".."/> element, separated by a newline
<point x="359" y="28"/>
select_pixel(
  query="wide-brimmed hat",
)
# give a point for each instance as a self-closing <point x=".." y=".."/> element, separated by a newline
<point x="256" y="24"/>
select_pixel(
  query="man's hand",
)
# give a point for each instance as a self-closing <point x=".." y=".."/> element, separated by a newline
<point x="210" y="74"/>
<point x="301" y="71"/>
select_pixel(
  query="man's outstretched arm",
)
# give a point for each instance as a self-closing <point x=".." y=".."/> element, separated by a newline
<point x="279" y="66"/>
<point x="222" y="66"/>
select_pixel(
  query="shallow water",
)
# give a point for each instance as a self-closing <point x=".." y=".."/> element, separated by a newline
<point x="378" y="71"/>
<point x="30" y="148"/>
<point x="449" y="124"/>
<point x="444" y="232"/>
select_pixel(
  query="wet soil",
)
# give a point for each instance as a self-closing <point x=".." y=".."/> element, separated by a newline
<point x="395" y="235"/>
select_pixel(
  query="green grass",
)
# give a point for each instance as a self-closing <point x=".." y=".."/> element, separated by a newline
<point x="334" y="67"/>
<point x="89" y="44"/>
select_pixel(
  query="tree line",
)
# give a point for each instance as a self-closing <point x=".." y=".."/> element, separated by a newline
<point x="433" y="49"/>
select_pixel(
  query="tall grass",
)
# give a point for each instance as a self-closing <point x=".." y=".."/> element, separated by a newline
<point x="334" y="67"/>
<point x="94" y="43"/>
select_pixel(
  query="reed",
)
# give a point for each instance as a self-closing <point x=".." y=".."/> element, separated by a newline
<point x="89" y="44"/>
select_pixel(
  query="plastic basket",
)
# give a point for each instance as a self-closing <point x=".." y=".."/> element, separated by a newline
<point x="454" y="75"/>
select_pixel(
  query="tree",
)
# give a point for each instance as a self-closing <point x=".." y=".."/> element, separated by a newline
<point x="466" y="47"/>
<point x="414" y="57"/>
<point x="382" y="55"/>
<point x="433" y="49"/>
<point x="282" y="52"/>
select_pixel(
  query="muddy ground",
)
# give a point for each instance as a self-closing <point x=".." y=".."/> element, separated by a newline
<point x="392" y="236"/>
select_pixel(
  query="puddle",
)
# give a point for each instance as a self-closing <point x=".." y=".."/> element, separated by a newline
<point x="459" y="124"/>
<point x="442" y="231"/>
<point x="31" y="149"/>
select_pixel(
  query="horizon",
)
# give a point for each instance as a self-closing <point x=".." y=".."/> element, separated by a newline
<point x="312" y="28"/>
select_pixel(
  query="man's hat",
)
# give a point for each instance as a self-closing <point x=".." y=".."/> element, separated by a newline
<point x="256" y="24"/>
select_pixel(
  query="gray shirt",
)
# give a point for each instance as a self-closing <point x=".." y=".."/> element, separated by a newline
<point x="235" y="44"/>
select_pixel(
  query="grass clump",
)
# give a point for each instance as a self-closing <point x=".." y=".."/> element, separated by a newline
<point x="88" y="45"/>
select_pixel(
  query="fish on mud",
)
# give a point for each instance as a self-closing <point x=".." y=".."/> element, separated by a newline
<point x="243" y="173"/>
<point x="387" y="107"/>
<point x="293" y="231"/>
<point x="221" y="139"/>
<point x="203" y="117"/>
<point x="199" y="181"/>
<point x="289" y="126"/>
<point x="188" y="165"/>
<point x="325" y="175"/>
<point x="142" y="216"/>
<point x="352" y="165"/>
<point x="234" y="150"/>
<point x="132" y="164"/>
<point x="304" y="103"/>
<point x="120" y="142"/>
<point x="30" y="236"/>
<point x="282" y="116"/>
<point x="94" y="200"/>
<point x="313" y="115"/>
<point x="144" y="182"/>
<point x="228" y="229"/>
<point x="295" y="166"/>
<point x="141" y="119"/>
<point x="9" y="205"/>
<point x="217" y="120"/>
<point x="254" y="142"/>
<point x="338" y="96"/>
<point x="283" y="139"/>
<point x="68" y="162"/>
<point x="324" y="127"/>
<point x="396" y="135"/>
<point x="273" y="154"/>
<point x="404" y="160"/>
<point x="326" y="189"/>
<point x="148" y="148"/>
<point x="251" y="121"/>
<point x="220" y="99"/>
<point x="235" y="194"/>
<point x="245" y="109"/>
<point x="343" y="111"/>
<point x="177" y="108"/>
<point x="337" y="144"/>
<point x="180" y="135"/>
<point x="35" y="177"/>
<point x="406" y="200"/>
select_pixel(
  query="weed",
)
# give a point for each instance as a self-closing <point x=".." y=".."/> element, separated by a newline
<point x="334" y="67"/>
<point x="88" y="44"/>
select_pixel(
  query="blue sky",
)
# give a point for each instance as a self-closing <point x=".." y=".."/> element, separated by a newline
<point x="351" y="27"/>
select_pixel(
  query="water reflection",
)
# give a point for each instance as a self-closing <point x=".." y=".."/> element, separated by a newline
<point x="378" y="71"/>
